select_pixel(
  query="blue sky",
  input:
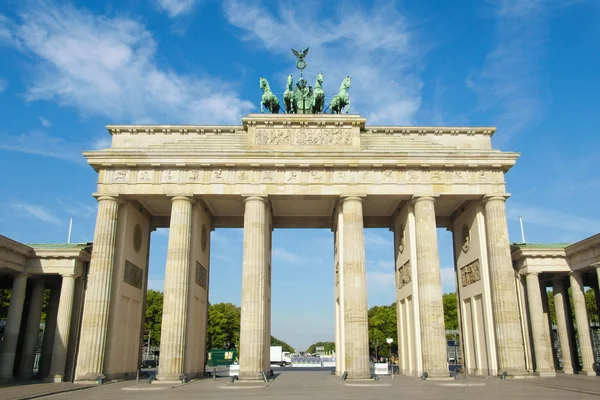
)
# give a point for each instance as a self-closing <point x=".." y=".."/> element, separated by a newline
<point x="528" y="67"/>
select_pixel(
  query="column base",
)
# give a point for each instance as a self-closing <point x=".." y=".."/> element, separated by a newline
<point x="251" y="376"/>
<point x="586" y="373"/>
<point x="53" y="379"/>
<point x="168" y="378"/>
<point x="567" y="371"/>
<point x="358" y="375"/>
<point x="545" y="374"/>
<point x="439" y="374"/>
<point x="90" y="377"/>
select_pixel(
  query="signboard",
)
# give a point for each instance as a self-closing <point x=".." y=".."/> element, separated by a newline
<point x="389" y="340"/>
<point x="320" y="348"/>
<point x="381" y="369"/>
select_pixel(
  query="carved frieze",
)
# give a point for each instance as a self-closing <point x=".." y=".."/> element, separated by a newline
<point x="145" y="176"/>
<point x="304" y="137"/>
<point x="470" y="273"/>
<point x="133" y="275"/>
<point x="120" y="176"/>
<point x="404" y="275"/>
<point x="201" y="276"/>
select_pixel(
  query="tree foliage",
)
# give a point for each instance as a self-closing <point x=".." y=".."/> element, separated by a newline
<point x="328" y="347"/>
<point x="284" y="345"/>
<point x="223" y="330"/>
<point x="450" y="311"/>
<point x="154" y="308"/>
<point x="382" y="325"/>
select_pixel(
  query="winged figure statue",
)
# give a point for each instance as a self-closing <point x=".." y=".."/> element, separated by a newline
<point x="300" y="54"/>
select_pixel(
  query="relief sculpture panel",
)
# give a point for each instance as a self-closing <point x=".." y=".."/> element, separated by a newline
<point x="470" y="273"/>
<point x="404" y="276"/>
<point x="304" y="137"/>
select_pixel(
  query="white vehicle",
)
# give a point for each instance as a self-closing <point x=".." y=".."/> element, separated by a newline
<point x="280" y="357"/>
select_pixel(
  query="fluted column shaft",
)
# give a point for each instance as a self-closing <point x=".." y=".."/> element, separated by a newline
<point x="356" y="319"/>
<point x="32" y="331"/>
<point x="49" y="331"/>
<point x="90" y="361"/>
<point x="174" y="317"/>
<point x="507" y="322"/>
<point x="429" y="280"/>
<point x="562" y="313"/>
<point x="583" y="326"/>
<point x="63" y="328"/>
<point x="536" y="317"/>
<point x="12" y="327"/>
<point x="254" y="286"/>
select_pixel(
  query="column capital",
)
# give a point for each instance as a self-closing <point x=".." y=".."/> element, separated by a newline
<point x="115" y="198"/>
<point x="426" y="197"/>
<point x="494" y="197"/>
<point x="532" y="273"/>
<point x="263" y="199"/>
<point x="575" y="274"/>
<point x="187" y="197"/>
<point x="353" y="198"/>
<point x="68" y="275"/>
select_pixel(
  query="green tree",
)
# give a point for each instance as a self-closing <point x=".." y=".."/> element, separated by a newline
<point x="284" y="345"/>
<point x="450" y="311"/>
<point x="223" y="330"/>
<point x="4" y="303"/>
<point x="154" y="308"/>
<point x="328" y="347"/>
<point x="382" y="325"/>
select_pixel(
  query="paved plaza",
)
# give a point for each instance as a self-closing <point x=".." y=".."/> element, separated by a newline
<point x="322" y="385"/>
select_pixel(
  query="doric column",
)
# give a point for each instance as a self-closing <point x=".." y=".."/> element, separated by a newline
<point x="433" y="333"/>
<point x="507" y="322"/>
<point x="597" y="288"/>
<point x="563" y="312"/>
<point x="12" y="327"/>
<point x="356" y="319"/>
<point x="174" y="317"/>
<point x="63" y="328"/>
<point x="90" y="360"/>
<point x="32" y="331"/>
<point x="583" y="326"/>
<point x="538" y="331"/>
<point x="49" y="331"/>
<point x="254" y="288"/>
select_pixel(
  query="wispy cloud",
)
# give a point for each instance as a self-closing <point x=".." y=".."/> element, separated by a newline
<point x="41" y="144"/>
<point x="508" y="80"/>
<point x="77" y="208"/>
<point x="3" y="84"/>
<point x="106" y="66"/>
<point x="551" y="218"/>
<point x="101" y="142"/>
<point x="381" y="281"/>
<point x="284" y="256"/>
<point x="377" y="240"/>
<point x="175" y="8"/>
<point x="45" y="122"/>
<point x="35" y="211"/>
<point x="377" y="47"/>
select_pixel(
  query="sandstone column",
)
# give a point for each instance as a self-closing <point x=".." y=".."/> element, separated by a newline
<point x="90" y="361"/>
<point x="433" y="333"/>
<point x="32" y="331"/>
<point x="538" y="332"/>
<point x="49" y="331"/>
<point x="63" y="328"/>
<point x="254" y="291"/>
<point x="583" y="327"/>
<point x="12" y="327"/>
<point x="507" y="322"/>
<point x="174" y="317"/>
<point x="597" y="288"/>
<point x="356" y="320"/>
<point x="562" y="313"/>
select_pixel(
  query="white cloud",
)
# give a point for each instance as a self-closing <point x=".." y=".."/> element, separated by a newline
<point x="156" y="284"/>
<point x="377" y="240"/>
<point x="551" y="218"/>
<point x="381" y="281"/>
<point x="102" y="142"/>
<point x="448" y="280"/>
<point x="41" y="144"/>
<point x="3" y="84"/>
<point x="508" y="80"/>
<point x="376" y="47"/>
<point x="284" y="256"/>
<point x="77" y="208"/>
<point x="175" y="8"/>
<point x="35" y="211"/>
<point x="45" y="122"/>
<point x="106" y="66"/>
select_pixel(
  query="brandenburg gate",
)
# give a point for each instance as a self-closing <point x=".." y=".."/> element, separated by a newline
<point x="310" y="171"/>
